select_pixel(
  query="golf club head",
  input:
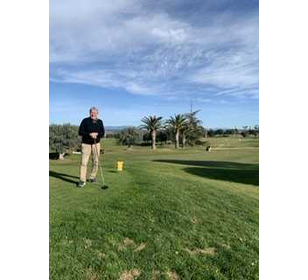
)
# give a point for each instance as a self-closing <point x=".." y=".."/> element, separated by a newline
<point x="104" y="187"/>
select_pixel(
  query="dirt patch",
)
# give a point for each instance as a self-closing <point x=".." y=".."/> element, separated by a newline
<point x="100" y="255"/>
<point x="240" y="239"/>
<point x="206" y="251"/>
<point x="140" y="247"/>
<point x="91" y="275"/>
<point x="66" y="241"/>
<point x="129" y="243"/>
<point x="227" y="246"/>
<point x="155" y="275"/>
<point x="194" y="220"/>
<point x="94" y="277"/>
<point x="126" y="243"/>
<point x="130" y="274"/>
<point x="173" y="276"/>
<point x="88" y="243"/>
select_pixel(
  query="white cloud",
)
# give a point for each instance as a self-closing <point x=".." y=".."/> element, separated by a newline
<point x="170" y="35"/>
<point x="105" y="79"/>
<point x="123" y="44"/>
<point x="235" y="72"/>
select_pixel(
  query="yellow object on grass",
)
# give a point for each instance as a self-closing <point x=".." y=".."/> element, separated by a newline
<point x="120" y="165"/>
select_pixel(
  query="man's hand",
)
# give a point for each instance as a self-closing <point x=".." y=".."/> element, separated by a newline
<point x="94" y="135"/>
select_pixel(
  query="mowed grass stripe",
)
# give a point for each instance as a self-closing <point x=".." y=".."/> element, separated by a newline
<point x="190" y="225"/>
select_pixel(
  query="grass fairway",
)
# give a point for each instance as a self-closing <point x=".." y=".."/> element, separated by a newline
<point x="171" y="214"/>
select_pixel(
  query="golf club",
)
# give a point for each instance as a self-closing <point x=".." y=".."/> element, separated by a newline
<point x="104" y="186"/>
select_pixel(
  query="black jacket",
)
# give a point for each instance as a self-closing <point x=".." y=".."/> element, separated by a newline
<point x="88" y="126"/>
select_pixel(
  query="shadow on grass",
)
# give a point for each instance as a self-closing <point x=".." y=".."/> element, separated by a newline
<point x="63" y="177"/>
<point x="243" y="173"/>
<point x="53" y="156"/>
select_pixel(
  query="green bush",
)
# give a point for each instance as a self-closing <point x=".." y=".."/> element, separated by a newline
<point x="130" y="136"/>
<point x="63" y="139"/>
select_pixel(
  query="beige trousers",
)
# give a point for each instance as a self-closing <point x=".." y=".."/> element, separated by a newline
<point x="86" y="151"/>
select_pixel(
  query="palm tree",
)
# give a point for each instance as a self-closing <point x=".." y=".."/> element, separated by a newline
<point x="192" y="130"/>
<point x="178" y="123"/>
<point x="152" y="124"/>
<point x="185" y="131"/>
<point x="192" y="119"/>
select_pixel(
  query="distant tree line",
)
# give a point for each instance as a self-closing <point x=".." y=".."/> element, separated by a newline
<point x="182" y="130"/>
<point x="245" y="131"/>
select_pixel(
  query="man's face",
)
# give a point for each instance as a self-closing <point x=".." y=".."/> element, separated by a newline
<point x="93" y="114"/>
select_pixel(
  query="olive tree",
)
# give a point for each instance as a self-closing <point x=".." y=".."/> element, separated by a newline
<point x="129" y="136"/>
<point x="63" y="139"/>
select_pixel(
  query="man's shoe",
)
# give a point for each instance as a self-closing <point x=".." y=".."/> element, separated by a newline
<point x="81" y="184"/>
<point x="92" y="180"/>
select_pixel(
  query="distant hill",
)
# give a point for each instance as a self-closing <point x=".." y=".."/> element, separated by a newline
<point x="114" y="128"/>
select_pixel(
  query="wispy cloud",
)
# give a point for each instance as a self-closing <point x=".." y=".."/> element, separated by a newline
<point x="152" y="51"/>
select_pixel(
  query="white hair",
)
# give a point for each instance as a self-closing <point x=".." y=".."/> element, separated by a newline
<point x="93" y="109"/>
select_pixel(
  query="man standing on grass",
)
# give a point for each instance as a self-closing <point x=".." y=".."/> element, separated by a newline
<point x="91" y="129"/>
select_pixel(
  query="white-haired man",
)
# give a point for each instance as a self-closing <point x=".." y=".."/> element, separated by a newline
<point x="91" y="129"/>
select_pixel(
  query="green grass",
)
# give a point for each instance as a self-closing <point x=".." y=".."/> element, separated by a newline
<point x="234" y="141"/>
<point x="173" y="204"/>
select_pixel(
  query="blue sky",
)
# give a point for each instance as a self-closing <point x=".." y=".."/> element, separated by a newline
<point x="136" y="58"/>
